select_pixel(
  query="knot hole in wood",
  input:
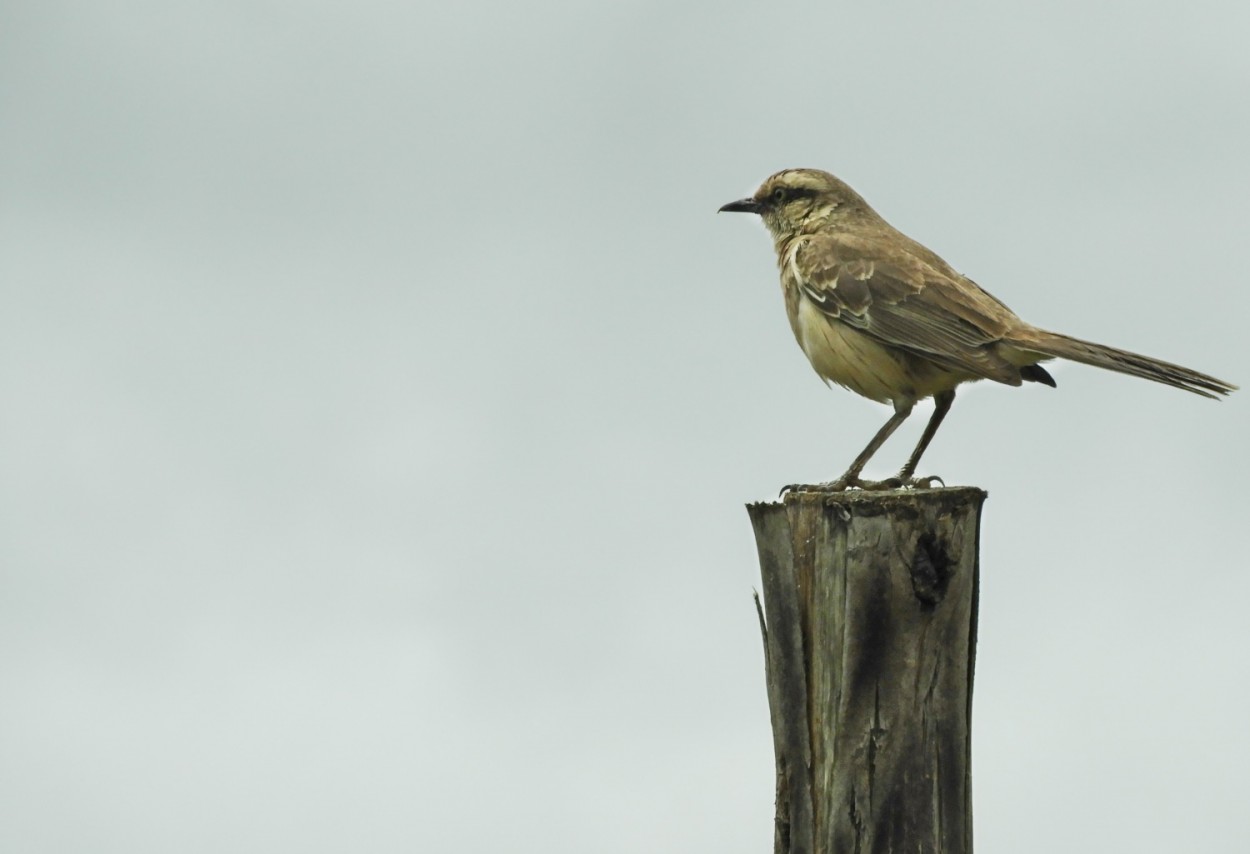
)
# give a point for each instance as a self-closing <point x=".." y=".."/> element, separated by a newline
<point x="932" y="566"/>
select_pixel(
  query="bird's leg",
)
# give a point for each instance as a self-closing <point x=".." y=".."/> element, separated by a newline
<point x="851" y="477"/>
<point x="942" y="404"/>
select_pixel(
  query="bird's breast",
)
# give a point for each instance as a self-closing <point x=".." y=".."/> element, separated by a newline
<point x="853" y="359"/>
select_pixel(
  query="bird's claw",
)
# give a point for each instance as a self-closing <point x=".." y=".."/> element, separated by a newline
<point x="846" y="482"/>
<point x="842" y="484"/>
<point x="839" y="485"/>
<point x="909" y="482"/>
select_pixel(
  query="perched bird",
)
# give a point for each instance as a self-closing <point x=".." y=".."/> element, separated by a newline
<point x="880" y="314"/>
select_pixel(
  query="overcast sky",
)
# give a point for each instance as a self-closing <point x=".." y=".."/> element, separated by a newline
<point x="380" y="393"/>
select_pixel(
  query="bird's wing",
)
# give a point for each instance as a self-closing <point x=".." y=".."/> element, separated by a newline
<point x="904" y="296"/>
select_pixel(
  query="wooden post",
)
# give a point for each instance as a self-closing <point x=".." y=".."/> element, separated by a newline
<point x="869" y="622"/>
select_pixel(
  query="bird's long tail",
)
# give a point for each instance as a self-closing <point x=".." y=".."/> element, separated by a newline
<point x="1111" y="358"/>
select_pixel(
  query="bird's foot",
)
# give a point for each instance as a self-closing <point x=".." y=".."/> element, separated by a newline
<point x="909" y="482"/>
<point x="850" y="481"/>
<point x="842" y="484"/>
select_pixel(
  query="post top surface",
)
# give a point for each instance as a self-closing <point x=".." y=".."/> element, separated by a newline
<point x="878" y="499"/>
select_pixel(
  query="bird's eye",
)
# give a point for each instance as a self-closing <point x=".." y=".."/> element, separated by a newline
<point x="780" y="194"/>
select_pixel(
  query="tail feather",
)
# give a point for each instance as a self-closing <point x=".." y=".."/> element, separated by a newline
<point x="1111" y="358"/>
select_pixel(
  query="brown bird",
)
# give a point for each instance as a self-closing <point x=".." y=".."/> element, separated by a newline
<point x="880" y="314"/>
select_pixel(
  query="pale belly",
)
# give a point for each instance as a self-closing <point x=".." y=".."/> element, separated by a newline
<point x="848" y="357"/>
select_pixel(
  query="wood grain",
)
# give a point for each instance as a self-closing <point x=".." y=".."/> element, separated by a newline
<point x="869" y="622"/>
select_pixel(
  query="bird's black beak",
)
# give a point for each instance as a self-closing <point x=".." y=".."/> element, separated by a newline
<point x="747" y="205"/>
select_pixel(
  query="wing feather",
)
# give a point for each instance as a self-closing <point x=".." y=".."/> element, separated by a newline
<point x="904" y="296"/>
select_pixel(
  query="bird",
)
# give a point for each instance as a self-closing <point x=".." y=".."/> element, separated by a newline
<point x="882" y="315"/>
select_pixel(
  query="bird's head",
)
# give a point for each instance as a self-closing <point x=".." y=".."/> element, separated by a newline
<point x="797" y="200"/>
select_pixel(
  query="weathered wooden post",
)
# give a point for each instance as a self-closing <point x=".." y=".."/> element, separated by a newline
<point x="869" y="621"/>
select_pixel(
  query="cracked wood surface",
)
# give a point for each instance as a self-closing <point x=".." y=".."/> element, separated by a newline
<point x="869" y="623"/>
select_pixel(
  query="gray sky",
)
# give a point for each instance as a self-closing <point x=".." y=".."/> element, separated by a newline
<point x="382" y="393"/>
